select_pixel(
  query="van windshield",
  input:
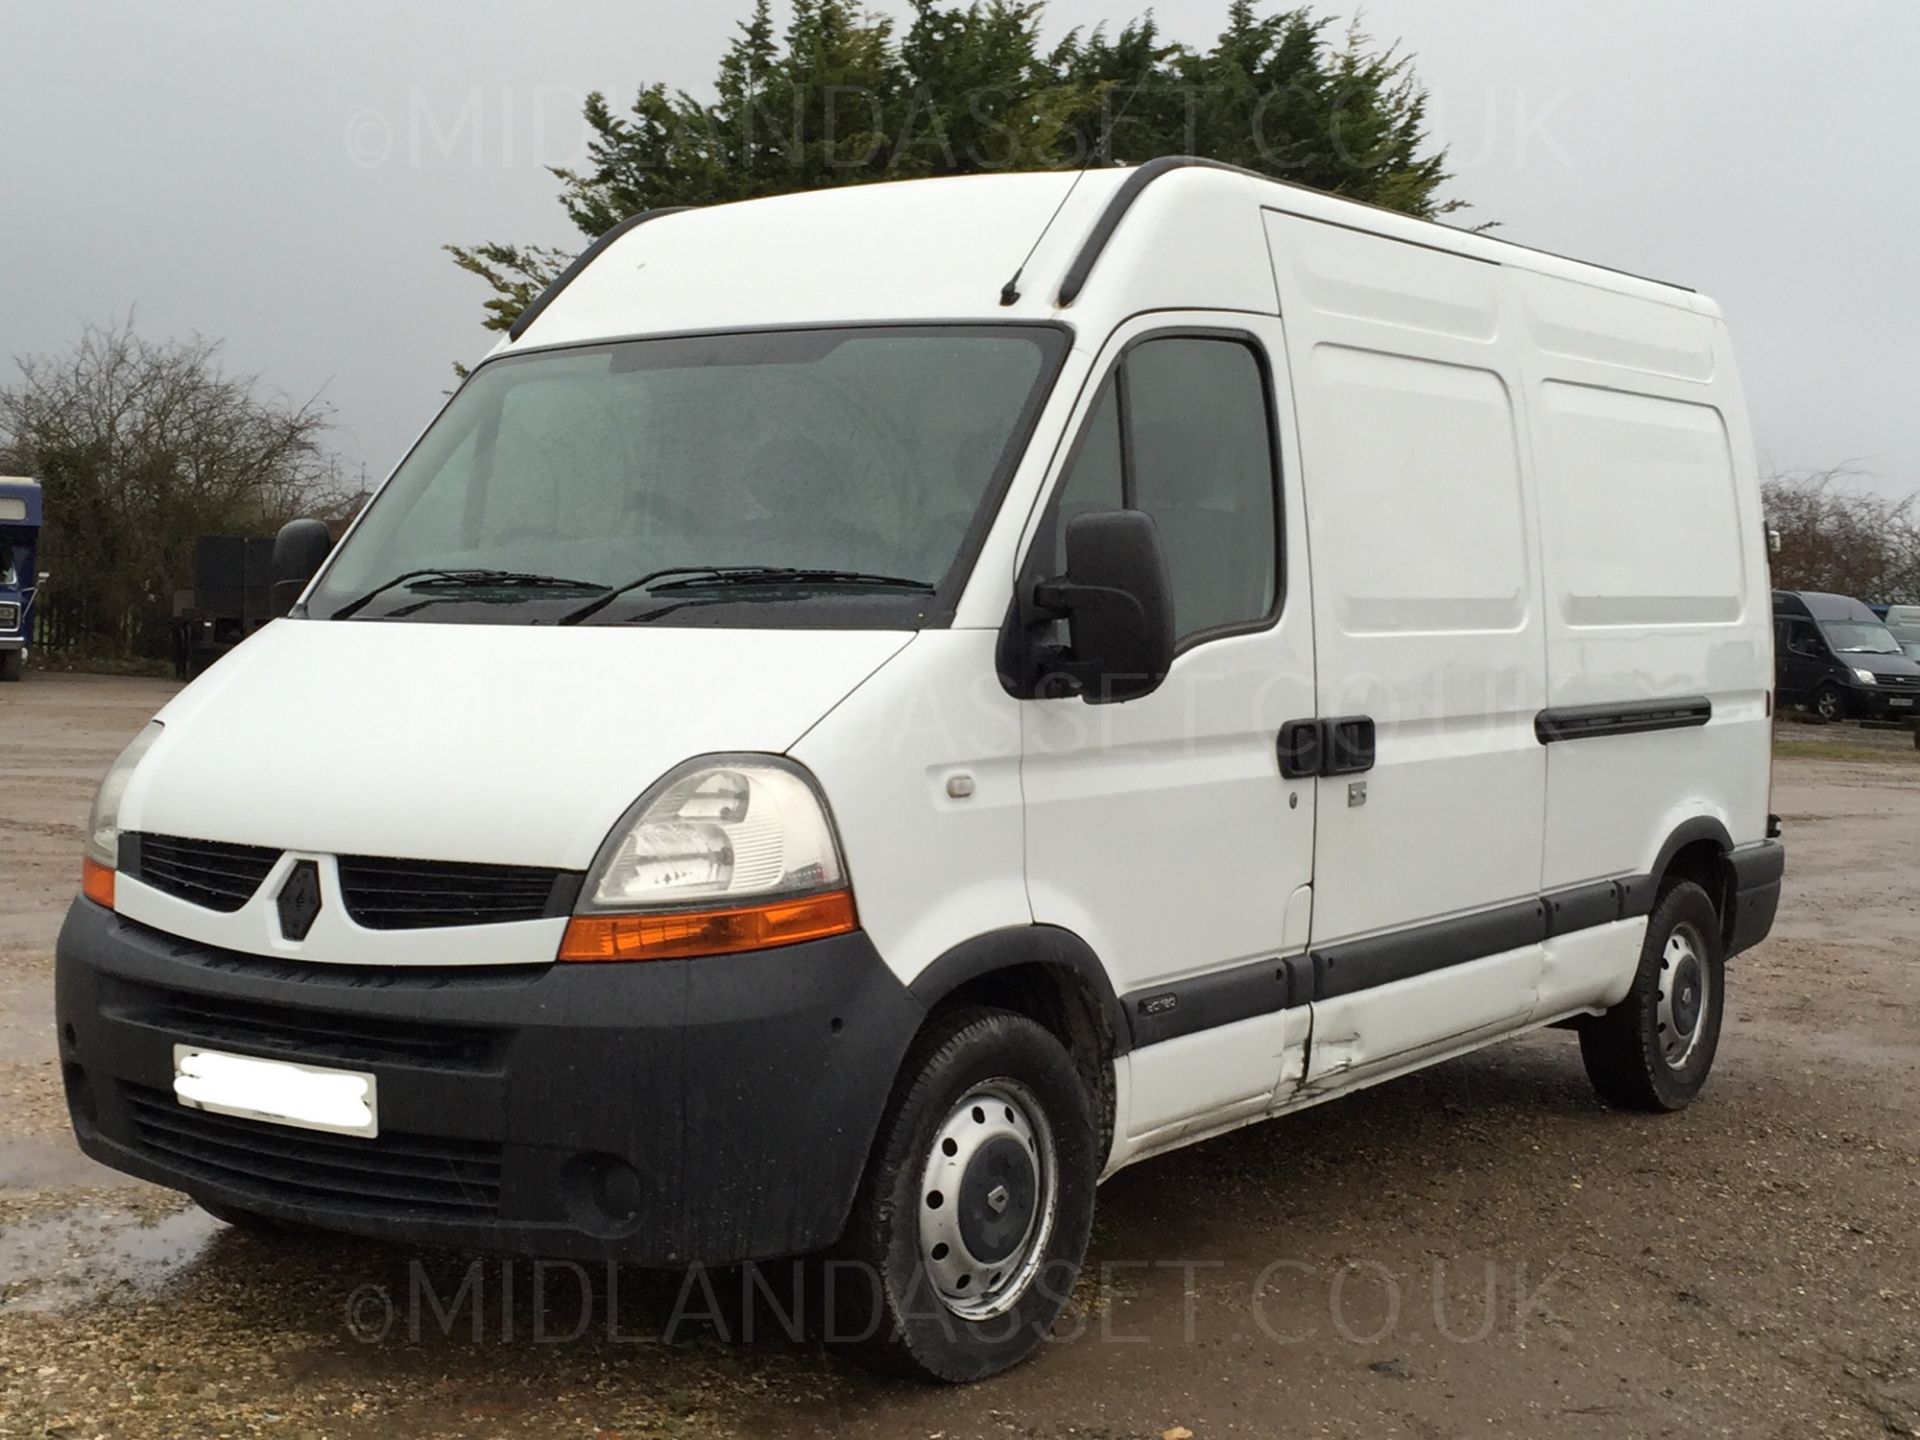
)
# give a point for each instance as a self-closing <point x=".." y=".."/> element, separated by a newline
<point x="1858" y="637"/>
<point x="797" y="478"/>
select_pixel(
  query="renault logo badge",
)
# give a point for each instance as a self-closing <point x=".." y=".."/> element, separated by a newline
<point x="299" y="900"/>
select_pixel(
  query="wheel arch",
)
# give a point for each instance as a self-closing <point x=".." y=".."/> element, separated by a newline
<point x="1697" y="850"/>
<point x="1054" y="978"/>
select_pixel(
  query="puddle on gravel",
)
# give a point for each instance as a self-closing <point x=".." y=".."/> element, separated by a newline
<point x="60" y="1261"/>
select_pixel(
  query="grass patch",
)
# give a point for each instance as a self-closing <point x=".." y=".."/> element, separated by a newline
<point x="1844" y="750"/>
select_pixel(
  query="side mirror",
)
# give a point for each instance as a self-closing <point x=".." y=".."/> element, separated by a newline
<point x="1118" y="605"/>
<point x="1774" y="543"/>
<point x="299" y="550"/>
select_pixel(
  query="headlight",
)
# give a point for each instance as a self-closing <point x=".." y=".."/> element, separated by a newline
<point x="103" y="825"/>
<point x="1866" y="677"/>
<point x="728" y="853"/>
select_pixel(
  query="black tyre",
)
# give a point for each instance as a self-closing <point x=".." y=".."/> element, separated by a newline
<point x="1653" y="1050"/>
<point x="970" y="1226"/>
<point x="13" y="664"/>
<point x="1829" y="703"/>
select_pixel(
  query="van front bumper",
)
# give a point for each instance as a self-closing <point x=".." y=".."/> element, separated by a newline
<point x="656" y="1113"/>
<point x="1883" y="702"/>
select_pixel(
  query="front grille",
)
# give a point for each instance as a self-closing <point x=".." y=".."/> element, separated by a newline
<point x="386" y="894"/>
<point x="208" y="873"/>
<point x="317" y="1036"/>
<point x="390" y="1174"/>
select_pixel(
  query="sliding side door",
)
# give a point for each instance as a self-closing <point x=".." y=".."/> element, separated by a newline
<point x="1427" y="921"/>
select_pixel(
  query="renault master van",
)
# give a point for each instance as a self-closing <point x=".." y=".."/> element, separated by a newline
<point x="837" y="740"/>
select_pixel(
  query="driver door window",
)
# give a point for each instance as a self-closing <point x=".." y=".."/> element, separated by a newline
<point x="1183" y="431"/>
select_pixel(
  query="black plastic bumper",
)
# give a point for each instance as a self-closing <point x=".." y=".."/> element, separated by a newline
<point x="660" y="1113"/>
<point x="1878" y="702"/>
<point x="1757" y="870"/>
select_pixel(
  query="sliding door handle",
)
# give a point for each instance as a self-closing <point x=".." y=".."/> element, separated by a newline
<point x="1349" y="745"/>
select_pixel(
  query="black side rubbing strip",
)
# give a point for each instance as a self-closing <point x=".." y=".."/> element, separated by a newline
<point x="1583" y="907"/>
<point x="1166" y="1012"/>
<point x="1362" y="964"/>
<point x="585" y="258"/>
<point x="1631" y="717"/>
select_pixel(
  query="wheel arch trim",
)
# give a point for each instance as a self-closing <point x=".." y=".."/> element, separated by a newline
<point x="1016" y="946"/>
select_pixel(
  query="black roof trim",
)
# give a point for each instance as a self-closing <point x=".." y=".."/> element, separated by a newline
<point x="585" y="258"/>
<point x="1144" y="175"/>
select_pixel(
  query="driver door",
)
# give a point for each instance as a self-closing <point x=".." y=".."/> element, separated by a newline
<point x="1160" y="829"/>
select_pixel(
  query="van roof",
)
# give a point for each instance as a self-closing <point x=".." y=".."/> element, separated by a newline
<point x="1820" y="605"/>
<point x="1175" y="233"/>
<point x="25" y="495"/>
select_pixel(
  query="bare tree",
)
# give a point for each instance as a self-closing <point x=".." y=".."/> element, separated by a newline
<point x="1837" y="536"/>
<point x="143" y="447"/>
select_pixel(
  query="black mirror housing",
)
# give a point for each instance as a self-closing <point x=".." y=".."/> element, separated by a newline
<point x="299" y="550"/>
<point x="1118" y="604"/>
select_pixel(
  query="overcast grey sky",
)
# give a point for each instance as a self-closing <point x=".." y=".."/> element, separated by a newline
<point x="282" y="176"/>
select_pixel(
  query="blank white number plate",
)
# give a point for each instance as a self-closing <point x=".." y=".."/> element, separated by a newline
<point x="307" y="1097"/>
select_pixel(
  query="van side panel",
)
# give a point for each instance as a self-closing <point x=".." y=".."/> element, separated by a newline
<point x="1425" y="609"/>
<point x="1427" y="620"/>
<point x="1655" y="577"/>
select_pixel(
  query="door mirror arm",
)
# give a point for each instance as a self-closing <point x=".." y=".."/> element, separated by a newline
<point x="1103" y="605"/>
<point x="1117" y="604"/>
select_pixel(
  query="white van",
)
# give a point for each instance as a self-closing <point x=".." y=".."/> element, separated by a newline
<point x="830" y="744"/>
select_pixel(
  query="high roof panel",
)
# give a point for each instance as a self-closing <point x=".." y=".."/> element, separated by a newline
<point x="1110" y="240"/>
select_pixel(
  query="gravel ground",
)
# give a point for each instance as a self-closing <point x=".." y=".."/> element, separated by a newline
<point x="1477" y="1249"/>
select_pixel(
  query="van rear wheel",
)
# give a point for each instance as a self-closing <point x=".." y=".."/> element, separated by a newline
<point x="1653" y="1050"/>
<point x="968" y="1232"/>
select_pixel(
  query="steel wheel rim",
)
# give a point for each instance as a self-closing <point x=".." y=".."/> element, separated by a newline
<point x="1686" y="996"/>
<point x="982" y="1236"/>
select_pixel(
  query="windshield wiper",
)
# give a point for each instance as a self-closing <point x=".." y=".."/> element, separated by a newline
<point x="464" y="580"/>
<point x="785" y="575"/>
<point x="722" y="575"/>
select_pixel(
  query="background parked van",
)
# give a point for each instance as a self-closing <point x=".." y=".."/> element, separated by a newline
<point x="1904" y="622"/>
<point x="1835" y="657"/>
<point x="841" y="737"/>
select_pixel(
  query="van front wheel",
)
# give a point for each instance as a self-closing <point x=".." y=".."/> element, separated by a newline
<point x="968" y="1232"/>
<point x="1829" y="704"/>
<point x="1653" y="1050"/>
